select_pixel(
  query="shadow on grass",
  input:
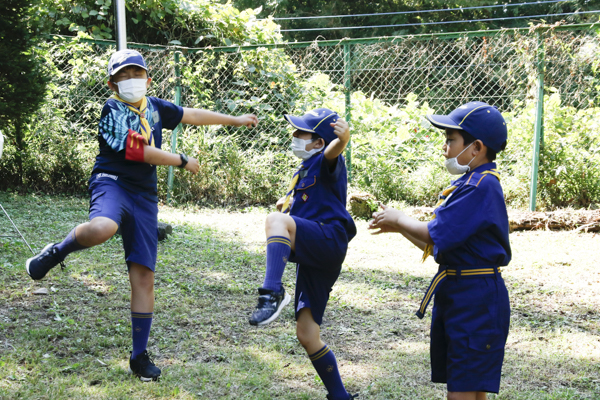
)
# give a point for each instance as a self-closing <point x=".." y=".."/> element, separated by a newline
<point x="74" y="342"/>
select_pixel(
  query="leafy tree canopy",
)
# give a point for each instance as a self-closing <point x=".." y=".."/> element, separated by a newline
<point x="313" y="8"/>
<point x="192" y="23"/>
<point x="22" y="76"/>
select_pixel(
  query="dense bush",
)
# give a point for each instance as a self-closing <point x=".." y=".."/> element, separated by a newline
<point x="396" y="154"/>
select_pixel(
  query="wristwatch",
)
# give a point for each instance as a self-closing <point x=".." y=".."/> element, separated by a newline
<point x="184" y="160"/>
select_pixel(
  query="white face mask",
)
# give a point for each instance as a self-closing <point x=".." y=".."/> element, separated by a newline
<point x="299" y="148"/>
<point x="454" y="167"/>
<point x="132" y="90"/>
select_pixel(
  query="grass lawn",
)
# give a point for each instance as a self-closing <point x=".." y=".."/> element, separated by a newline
<point x="74" y="342"/>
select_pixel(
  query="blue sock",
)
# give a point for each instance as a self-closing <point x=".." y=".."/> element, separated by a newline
<point x="140" y="331"/>
<point x="68" y="245"/>
<point x="326" y="365"/>
<point x="278" y="252"/>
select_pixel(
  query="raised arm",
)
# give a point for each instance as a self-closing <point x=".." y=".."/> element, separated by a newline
<point x="335" y="148"/>
<point x="196" y="116"/>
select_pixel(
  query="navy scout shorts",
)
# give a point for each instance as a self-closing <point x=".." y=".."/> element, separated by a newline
<point x="136" y="215"/>
<point x="320" y="252"/>
<point x="469" y="327"/>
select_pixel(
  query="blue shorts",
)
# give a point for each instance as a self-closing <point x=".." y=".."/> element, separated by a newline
<point x="469" y="327"/>
<point x="320" y="252"/>
<point x="136" y="215"/>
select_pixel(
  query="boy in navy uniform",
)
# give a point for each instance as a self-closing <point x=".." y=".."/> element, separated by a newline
<point x="123" y="188"/>
<point x="468" y="237"/>
<point x="312" y="230"/>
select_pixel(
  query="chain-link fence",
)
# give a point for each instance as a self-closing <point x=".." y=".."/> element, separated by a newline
<point x="384" y="87"/>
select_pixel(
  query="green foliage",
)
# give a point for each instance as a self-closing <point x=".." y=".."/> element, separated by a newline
<point x="22" y="75"/>
<point x="192" y="23"/>
<point x="295" y="8"/>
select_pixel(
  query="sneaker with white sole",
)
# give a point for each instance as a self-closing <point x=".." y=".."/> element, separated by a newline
<point x="143" y="367"/>
<point x="269" y="306"/>
<point x="38" y="266"/>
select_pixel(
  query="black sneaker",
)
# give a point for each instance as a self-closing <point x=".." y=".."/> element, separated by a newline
<point x="143" y="367"/>
<point x="269" y="305"/>
<point x="38" y="266"/>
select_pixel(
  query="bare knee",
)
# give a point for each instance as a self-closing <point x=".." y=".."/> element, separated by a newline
<point x="141" y="278"/>
<point x="274" y="220"/>
<point x="305" y="337"/>
<point x="97" y="231"/>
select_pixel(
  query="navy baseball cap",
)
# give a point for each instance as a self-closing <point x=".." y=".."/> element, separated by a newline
<point x="315" y="121"/>
<point x="124" y="58"/>
<point x="478" y="119"/>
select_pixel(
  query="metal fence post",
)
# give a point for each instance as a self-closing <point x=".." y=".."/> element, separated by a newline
<point x="348" y="104"/>
<point x="539" y="122"/>
<point x="174" y="135"/>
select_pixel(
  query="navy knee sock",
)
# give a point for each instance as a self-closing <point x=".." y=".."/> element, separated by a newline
<point x="326" y="365"/>
<point x="140" y="331"/>
<point x="278" y="252"/>
<point x="68" y="245"/>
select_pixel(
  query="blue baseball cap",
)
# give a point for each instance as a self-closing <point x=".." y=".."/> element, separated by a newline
<point x="124" y="58"/>
<point x="315" y="121"/>
<point x="478" y="119"/>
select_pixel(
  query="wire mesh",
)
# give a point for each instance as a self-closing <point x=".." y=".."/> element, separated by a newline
<point x="387" y="86"/>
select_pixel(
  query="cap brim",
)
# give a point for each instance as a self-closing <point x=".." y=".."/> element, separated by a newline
<point x="443" y="122"/>
<point x="127" y="65"/>
<point x="298" y="123"/>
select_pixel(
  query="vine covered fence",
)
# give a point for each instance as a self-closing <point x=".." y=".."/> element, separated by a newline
<point x="544" y="80"/>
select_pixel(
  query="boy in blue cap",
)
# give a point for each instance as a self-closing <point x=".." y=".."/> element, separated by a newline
<point x="468" y="237"/>
<point x="123" y="188"/>
<point x="313" y="230"/>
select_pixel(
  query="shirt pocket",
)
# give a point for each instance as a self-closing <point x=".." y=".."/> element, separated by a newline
<point x="307" y="182"/>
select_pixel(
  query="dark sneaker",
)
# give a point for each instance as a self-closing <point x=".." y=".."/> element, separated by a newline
<point x="143" y="367"/>
<point x="269" y="305"/>
<point x="38" y="266"/>
<point x="352" y="396"/>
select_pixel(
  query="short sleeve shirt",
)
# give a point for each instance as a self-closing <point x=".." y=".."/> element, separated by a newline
<point x="320" y="193"/>
<point x="115" y="121"/>
<point x="471" y="227"/>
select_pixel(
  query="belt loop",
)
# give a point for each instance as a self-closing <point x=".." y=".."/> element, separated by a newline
<point x="458" y="273"/>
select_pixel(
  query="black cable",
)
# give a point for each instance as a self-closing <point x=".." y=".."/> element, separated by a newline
<point x="438" y="23"/>
<point x="423" y="11"/>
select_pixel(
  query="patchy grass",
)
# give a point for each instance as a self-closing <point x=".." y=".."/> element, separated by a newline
<point x="74" y="342"/>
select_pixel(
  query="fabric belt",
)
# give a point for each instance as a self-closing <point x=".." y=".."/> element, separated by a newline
<point x="443" y="274"/>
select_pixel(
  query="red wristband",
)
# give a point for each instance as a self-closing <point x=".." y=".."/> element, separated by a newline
<point x="134" y="149"/>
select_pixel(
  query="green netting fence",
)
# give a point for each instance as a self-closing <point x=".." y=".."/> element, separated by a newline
<point x="544" y="80"/>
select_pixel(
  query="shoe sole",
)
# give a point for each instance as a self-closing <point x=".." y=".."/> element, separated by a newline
<point x="29" y="261"/>
<point x="283" y="303"/>
<point x="142" y="378"/>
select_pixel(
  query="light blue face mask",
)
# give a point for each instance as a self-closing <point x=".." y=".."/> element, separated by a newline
<point x="299" y="148"/>
<point x="454" y="167"/>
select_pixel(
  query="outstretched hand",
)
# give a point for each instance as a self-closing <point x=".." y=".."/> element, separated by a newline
<point x="247" y="120"/>
<point x="387" y="220"/>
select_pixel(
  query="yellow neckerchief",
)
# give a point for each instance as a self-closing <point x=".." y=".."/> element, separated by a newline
<point x="288" y="197"/>
<point x="144" y="125"/>
<point x="443" y="196"/>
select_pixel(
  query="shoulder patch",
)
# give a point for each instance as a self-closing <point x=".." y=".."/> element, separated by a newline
<point x="476" y="178"/>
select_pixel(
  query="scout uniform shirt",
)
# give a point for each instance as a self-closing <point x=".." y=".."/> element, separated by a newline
<point x="320" y="194"/>
<point x="470" y="228"/>
<point x="115" y="121"/>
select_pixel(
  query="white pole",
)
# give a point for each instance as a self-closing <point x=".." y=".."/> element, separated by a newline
<point x="121" y="29"/>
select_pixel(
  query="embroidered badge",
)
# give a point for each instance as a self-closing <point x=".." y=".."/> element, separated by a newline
<point x="285" y="259"/>
<point x="305" y="197"/>
<point x="329" y="368"/>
